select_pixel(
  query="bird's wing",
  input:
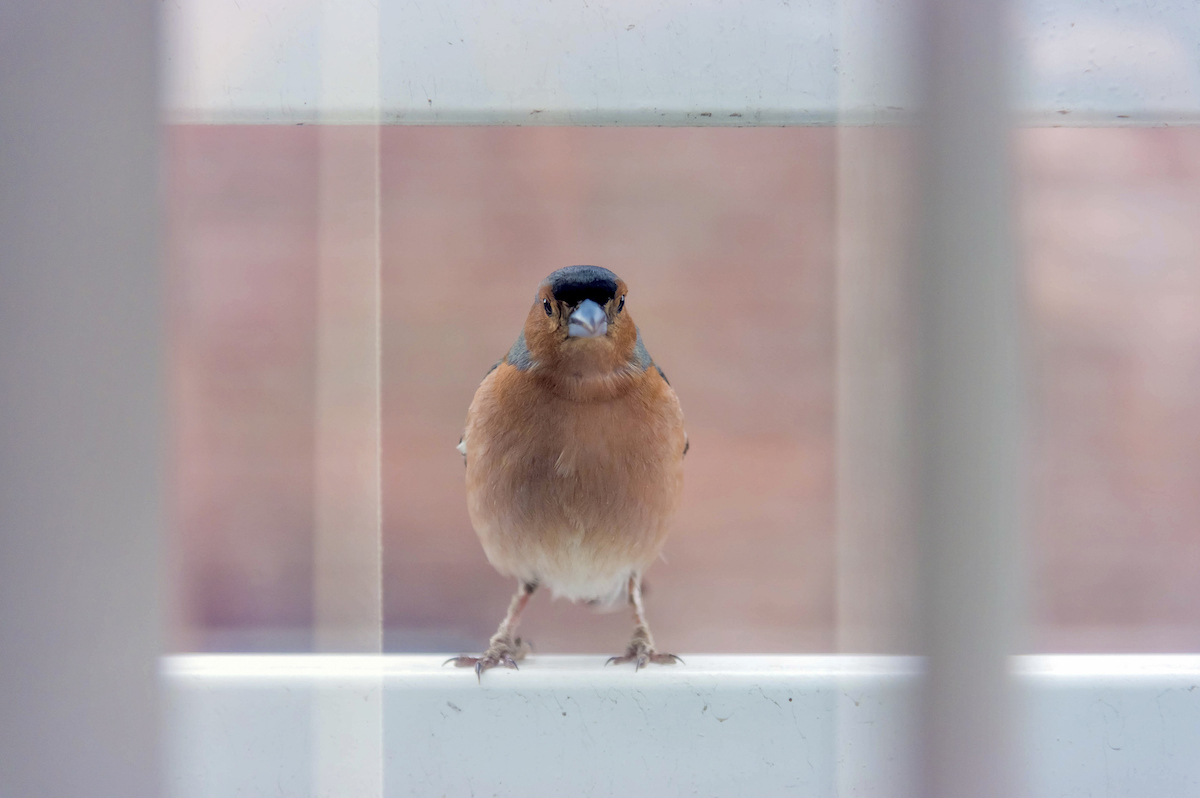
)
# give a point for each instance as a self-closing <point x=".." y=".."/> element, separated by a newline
<point x="518" y="352"/>
<point x="518" y="348"/>
<point x="518" y="356"/>
<point x="642" y="360"/>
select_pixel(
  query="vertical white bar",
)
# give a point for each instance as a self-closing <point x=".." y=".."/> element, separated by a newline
<point x="347" y="559"/>
<point x="346" y="569"/>
<point x="81" y="415"/>
<point x="876" y="348"/>
<point x="876" y="559"/>
<point x="970" y="401"/>
<point x="875" y="337"/>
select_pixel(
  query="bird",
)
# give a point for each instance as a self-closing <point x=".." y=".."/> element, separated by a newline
<point x="574" y="446"/>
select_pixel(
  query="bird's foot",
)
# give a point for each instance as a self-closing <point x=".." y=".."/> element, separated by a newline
<point x="641" y="654"/>
<point x="501" y="652"/>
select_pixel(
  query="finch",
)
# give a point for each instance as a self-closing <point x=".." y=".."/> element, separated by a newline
<point x="574" y="447"/>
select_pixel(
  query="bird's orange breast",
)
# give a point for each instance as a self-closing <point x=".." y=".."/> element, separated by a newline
<point x="574" y="495"/>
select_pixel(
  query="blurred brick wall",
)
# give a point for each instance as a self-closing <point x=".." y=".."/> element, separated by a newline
<point x="1111" y="224"/>
<point x="726" y="240"/>
<point x="242" y="220"/>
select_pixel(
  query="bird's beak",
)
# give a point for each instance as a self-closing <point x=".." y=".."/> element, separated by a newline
<point x="588" y="321"/>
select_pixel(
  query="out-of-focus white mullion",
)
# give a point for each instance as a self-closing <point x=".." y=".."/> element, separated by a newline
<point x="970" y="400"/>
<point x="875" y="306"/>
<point x="875" y="410"/>
<point x="875" y="363"/>
<point x="83" y="433"/>
<point x="875" y="563"/>
<point x="347" y="576"/>
<point x="347" y="727"/>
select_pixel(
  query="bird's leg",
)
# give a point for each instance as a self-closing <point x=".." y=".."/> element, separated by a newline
<point x="504" y="648"/>
<point x="641" y="647"/>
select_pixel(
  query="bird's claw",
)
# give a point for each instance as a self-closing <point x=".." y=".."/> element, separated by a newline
<point x="640" y="657"/>
<point x="484" y="662"/>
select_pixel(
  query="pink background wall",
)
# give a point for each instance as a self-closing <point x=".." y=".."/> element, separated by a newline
<point x="726" y="238"/>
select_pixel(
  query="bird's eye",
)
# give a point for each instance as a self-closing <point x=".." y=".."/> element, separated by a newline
<point x="546" y="305"/>
<point x="621" y="304"/>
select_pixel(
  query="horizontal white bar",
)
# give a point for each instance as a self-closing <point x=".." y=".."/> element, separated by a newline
<point x="646" y="62"/>
<point x="1111" y="668"/>
<point x="719" y="725"/>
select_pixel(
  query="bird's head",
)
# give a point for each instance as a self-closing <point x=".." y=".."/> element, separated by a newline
<point x="579" y="324"/>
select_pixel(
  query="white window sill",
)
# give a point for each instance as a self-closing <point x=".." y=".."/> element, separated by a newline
<point x="1111" y="725"/>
